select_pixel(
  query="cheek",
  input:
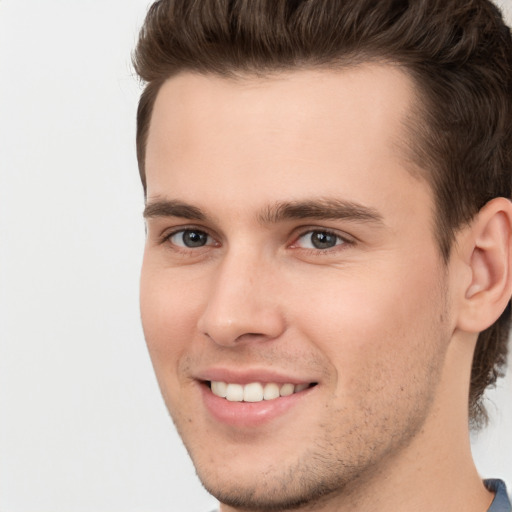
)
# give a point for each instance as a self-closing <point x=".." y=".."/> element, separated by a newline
<point x="168" y="312"/>
<point x="383" y="324"/>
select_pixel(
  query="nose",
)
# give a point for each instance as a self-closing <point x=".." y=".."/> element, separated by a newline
<point x="242" y="304"/>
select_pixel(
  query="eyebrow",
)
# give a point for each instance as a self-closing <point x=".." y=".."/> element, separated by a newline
<point x="172" y="208"/>
<point x="322" y="208"/>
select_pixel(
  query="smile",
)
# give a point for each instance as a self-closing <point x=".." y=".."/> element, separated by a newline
<point x="255" y="391"/>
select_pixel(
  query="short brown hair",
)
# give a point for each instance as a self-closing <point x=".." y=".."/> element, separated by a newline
<point x="458" y="52"/>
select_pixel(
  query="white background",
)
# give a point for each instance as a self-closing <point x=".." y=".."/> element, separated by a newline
<point x="82" y="424"/>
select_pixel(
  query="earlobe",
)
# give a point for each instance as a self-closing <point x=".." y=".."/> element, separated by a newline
<point x="488" y="242"/>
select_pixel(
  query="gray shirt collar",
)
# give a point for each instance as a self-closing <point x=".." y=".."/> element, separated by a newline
<point x="501" y="502"/>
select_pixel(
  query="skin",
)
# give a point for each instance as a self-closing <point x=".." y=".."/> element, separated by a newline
<point x="377" y="321"/>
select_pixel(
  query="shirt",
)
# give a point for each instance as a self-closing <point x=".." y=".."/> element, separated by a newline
<point x="501" y="502"/>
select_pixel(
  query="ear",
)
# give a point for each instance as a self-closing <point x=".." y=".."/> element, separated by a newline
<point x="487" y="253"/>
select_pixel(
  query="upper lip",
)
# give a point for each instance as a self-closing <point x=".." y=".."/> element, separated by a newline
<point x="246" y="376"/>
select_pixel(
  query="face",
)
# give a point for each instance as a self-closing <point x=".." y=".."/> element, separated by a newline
<point x="293" y="297"/>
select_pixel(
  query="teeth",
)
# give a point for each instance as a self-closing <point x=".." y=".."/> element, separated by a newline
<point x="287" y="390"/>
<point x="271" y="391"/>
<point x="219" y="388"/>
<point x="255" y="391"/>
<point x="235" y="392"/>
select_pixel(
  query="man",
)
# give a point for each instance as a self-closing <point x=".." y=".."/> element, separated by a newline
<point x="327" y="276"/>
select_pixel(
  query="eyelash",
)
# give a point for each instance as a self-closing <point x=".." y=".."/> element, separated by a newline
<point x="168" y="238"/>
<point x="340" y="242"/>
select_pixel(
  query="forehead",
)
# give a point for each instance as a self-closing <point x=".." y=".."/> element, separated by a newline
<point x="294" y="133"/>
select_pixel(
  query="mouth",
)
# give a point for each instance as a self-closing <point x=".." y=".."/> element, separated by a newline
<point x="253" y="398"/>
<point x="256" y="391"/>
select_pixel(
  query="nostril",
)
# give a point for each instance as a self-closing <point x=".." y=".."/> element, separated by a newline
<point x="249" y="336"/>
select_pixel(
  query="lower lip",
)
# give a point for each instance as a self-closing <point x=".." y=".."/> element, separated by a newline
<point x="249" y="414"/>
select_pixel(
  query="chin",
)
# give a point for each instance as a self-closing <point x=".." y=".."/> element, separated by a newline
<point x="302" y="484"/>
<point x="259" y="495"/>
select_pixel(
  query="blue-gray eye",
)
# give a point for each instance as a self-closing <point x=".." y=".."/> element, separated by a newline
<point x="190" y="238"/>
<point x="319" y="240"/>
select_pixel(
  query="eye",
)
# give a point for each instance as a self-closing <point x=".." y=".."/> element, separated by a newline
<point x="190" y="238"/>
<point x="319" y="239"/>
